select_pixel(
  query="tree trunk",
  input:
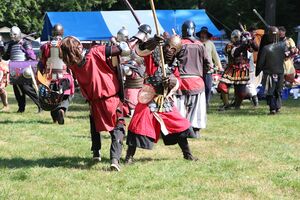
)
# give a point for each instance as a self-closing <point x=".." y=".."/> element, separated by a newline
<point x="270" y="11"/>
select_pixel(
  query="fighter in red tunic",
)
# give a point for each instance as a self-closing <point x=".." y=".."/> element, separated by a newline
<point x="155" y="115"/>
<point x="96" y="73"/>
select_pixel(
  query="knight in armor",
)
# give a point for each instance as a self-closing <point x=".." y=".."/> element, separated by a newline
<point x="3" y="79"/>
<point x="97" y="72"/>
<point x="237" y="72"/>
<point x="20" y="49"/>
<point x="194" y="62"/>
<point x="270" y="62"/>
<point x="155" y="115"/>
<point x="134" y="70"/>
<point x="289" y="69"/>
<point x="56" y="92"/>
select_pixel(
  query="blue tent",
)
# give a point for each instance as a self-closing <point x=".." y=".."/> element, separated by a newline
<point x="103" y="25"/>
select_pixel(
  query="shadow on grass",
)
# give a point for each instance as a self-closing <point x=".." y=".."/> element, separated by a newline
<point x="26" y="122"/>
<point x="78" y="117"/>
<point x="65" y="162"/>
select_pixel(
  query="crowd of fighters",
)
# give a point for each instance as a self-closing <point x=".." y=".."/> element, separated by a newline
<point x="127" y="78"/>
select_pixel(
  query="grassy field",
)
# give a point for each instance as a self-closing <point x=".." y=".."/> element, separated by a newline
<point x="242" y="155"/>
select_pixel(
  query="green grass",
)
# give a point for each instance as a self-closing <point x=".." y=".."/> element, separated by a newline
<point x="243" y="155"/>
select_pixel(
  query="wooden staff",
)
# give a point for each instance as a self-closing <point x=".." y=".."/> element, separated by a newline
<point x="162" y="60"/>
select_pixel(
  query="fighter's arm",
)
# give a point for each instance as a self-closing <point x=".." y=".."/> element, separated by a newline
<point x="145" y="48"/>
<point x="215" y="57"/>
<point x="6" y="54"/>
<point x="206" y="61"/>
<point x="28" y="50"/>
<point x="261" y="61"/>
<point x="44" y="55"/>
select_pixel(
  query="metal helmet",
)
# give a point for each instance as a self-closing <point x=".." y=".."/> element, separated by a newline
<point x="188" y="29"/>
<point x="172" y="46"/>
<point x="27" y="73"/>
<point x="273" y="34"/>
<point x="145" y="28"/>
<point x="174" y="42"/>
<point x="49" y="99"/>
<point x="15" y="33"/>
<point x="235" y="35"/>
<point x="122" y="35"/>
<point x="144" y="31"/>
<point x="58" y="30"/>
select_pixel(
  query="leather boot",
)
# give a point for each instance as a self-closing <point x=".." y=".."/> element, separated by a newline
<point x="255" y="100"/>
<point x="184" y="145"/>
<point x="225" y="99"/>
<point x="129" y="155"/>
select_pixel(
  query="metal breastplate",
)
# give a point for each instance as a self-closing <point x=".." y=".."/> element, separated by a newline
<point x="16" y="53"/>
<point x="55" y="65"/>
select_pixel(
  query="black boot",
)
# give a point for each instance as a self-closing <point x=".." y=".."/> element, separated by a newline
<point x="96" y="155"/>
<point x="255" y="100"/>
<point x="197" y="132"/>
<point x="184" y="145"/>
<point x="129" y="155"/>
<point x="225" y="99"/>
<point x="61" y="116"/>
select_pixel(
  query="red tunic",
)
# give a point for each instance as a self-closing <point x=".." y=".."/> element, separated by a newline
<point x="193" y="58"/>
<point x="99" y="85"/>
<point x="144" y="122"/>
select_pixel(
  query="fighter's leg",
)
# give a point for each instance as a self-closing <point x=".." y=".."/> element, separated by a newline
<point x="58" y="114"/>
<point x="20" y="97"/>
<point x="3" y="96"/>
<point x="223" y="88"/>
<point x="185" y="148"/>
<point x="117" y="136"/>
<point x="96" y="140"/>
<point x="278" y="90"/>
<point x="129" y="154"/>
<point x="30" y="91"/>
<point x="208" y="86"/>
<point x="240" y="93"/>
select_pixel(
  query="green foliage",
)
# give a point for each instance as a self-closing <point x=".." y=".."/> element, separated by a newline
<point x="28" y="14"/>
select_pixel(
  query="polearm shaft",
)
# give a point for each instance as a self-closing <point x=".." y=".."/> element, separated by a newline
<point x="261" y="18"/>
<point x="162" y="60"/>
<point x="132" y="11"/>
<point x="242" y="27"/>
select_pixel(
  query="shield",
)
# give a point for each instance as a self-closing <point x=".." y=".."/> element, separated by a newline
<point x="17" y="69"/>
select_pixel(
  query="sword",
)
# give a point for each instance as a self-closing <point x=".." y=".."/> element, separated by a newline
<point x="132" y="11"/>
<point x="261" y="18"/>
